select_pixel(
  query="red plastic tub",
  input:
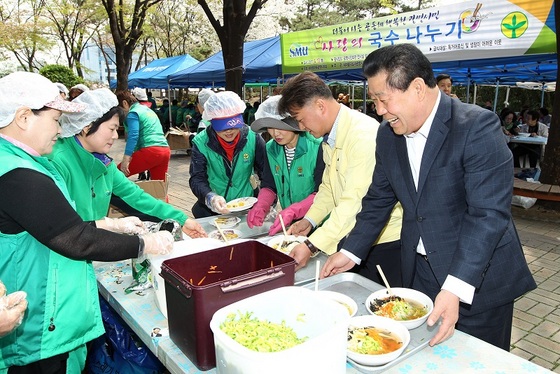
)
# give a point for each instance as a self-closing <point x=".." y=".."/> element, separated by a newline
<point x="197" y="285"/>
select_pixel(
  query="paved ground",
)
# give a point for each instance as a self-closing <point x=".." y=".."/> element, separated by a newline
<point x="536" y="331"/>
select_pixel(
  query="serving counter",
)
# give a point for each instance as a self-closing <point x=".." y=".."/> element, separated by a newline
<point x="460" y="353"/>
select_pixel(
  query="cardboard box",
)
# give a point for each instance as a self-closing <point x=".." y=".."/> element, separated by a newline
<point x="178" y="141"/>
<point x="156" y="188"/>
<point x="197" y="285"/>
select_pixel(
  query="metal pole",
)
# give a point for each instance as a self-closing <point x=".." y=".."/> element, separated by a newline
<point x="542" y="95"/>
<point x="496" y="94"/>
<point x="468" y="84"/>
<point x="365" y="96"/>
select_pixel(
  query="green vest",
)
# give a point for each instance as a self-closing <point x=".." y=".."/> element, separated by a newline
<point x="243" y="161"/>
<point x="296" y="184"/>
<point x="60" y="291"/>
<point x="150" y="132"/>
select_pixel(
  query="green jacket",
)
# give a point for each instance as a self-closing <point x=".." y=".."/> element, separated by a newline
<point x="150" y="132"/>
<point x="59" y="290"/>
<point x="242" y="166"/>
<point x="91" y="183"/>
<point x="296" y="184"/>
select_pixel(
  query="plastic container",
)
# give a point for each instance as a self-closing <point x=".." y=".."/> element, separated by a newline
<point x="182" y="248"/>
<point x="323" y="322"/>
<point x="197" y="285"/>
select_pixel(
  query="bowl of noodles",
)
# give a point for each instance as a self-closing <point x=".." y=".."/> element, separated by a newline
<point x="409" y="307"/>
<point x="375" y="341"/>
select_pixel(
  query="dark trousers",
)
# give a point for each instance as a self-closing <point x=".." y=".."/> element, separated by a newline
<point x="532" y="151"/>
<point x="493" y="326"/>
<point x="200" y="210"/>
<point x="386" y="255"/>
<point x="51" y="365"/>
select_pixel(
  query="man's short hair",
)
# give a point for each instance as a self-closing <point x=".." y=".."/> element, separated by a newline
<point x="302" y="88"/>
<point x="402" y="62"/>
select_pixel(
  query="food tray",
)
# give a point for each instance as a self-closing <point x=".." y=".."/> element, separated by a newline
<point x="359" y="288"/>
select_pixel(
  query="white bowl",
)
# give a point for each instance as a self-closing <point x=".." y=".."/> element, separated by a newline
<point x="409" y="295"/>
<point x="523" y="134"/>
<point x="381" y="324"/>
<point x="340" y="298"/>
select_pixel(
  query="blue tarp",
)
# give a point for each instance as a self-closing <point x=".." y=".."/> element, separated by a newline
<point x="155" y="74"/>
<point x="262" y="62"/>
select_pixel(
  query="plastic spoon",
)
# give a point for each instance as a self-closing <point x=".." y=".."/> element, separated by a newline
<point x="221" y="232"/>
<point x="284" y="230"/>
<point x="317" y="271"/>
<point x="384" y="280"/>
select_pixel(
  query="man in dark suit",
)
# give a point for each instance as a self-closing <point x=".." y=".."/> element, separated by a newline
<point x="448" y="164"/>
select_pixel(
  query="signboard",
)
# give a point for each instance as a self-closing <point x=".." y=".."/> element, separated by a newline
<point x="464" y="31"/>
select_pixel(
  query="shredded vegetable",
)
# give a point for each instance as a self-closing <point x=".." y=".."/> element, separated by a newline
<point x="371" y="341"/>
<point x="259" y="335"/>
<point x="397" y="308"/>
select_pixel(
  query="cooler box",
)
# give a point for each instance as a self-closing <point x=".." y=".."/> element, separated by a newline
<point x="197" y="285"/>
<point x="322" y="322"/>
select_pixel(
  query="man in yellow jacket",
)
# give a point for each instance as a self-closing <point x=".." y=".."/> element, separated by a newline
<point x="349" y="155"/>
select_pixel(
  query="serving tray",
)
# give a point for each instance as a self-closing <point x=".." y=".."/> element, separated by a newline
<point x="359" y="288"/>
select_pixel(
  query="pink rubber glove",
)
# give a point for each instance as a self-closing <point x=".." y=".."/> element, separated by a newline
<point x="258" y="212"/>
<point x="293" y="212"/>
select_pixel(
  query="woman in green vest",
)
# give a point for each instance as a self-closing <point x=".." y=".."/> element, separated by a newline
<point x="46" y="249"/>
<point x="293" y="170"/>
<point x="224" y="156"/>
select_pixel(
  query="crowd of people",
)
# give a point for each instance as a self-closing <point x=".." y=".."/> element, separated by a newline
<point x="422" y="188"/>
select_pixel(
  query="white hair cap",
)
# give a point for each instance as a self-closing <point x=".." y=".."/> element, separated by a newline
<point x="31" y="90"/>
<point x="98" y="103"/>
<point x="204" y="95"/>
<point x="62" y="88"/>
<point x="269" y="109"/>
<point x="223" y="105"/>
<point x="140" y="94"/>
<point x="81" y="87"/>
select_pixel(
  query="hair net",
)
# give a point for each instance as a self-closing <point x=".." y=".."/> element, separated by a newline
<point x="204" y="95"/>
<point x="62" y="88"/>
<point x="140" y="94"/>
<point x="32" y="90"/>
<point x="81" y="87"/>
<point x="98" y="103"/>
<point x="269" y="109"/>
<point x="222" y="105"/>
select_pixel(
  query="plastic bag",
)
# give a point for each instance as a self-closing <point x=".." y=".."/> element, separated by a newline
<point x="523" y="201"/>
<point x="119" y="350"/>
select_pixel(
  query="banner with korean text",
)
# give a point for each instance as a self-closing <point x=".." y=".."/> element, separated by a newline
<point x="465" y="31"/>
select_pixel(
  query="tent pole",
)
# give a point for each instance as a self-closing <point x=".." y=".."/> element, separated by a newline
<point x="542" y="95"/>
<point x="507" y="96"/>
<point x="468" y="84"/>
<point x="496" y="94"/>
<point x="365" y="97"/>
<point x="474" y="96"/>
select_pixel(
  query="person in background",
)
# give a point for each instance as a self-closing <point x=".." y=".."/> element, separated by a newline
<point x="224" y="156"/>
<point x="180" y="115"/>
<point x="544" y="116"/>
<point x="459" y="242"/>
<point x="533" y="151"/>
<point x="146" y="146"/>
<point x="141" y="96"/>
<point x="46" y="249"/>
<point x="77" y="90"/>
<point x="170" y="114"/>
<point x="151" y="99"/>
<point x="91" y="175"/>
<point x="509" y="122"/>
<point x="62" y="90"/>
<point x="445" y="84"/>
<point x="12" y="309"/>
<point x="161" y="114"/>
<point x="196" y="122"/>
<point x="293" y="169"/>
<point x="349" y="155"/>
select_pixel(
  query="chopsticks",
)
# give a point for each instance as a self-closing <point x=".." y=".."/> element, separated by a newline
<point x="221" y="232"/>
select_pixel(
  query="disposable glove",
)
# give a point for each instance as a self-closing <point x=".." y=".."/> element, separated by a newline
<point x="158" y="243"/>
<point x="127" y="225"/>
<point x="258" y="212"/>
<point x="293" y="212"/>
<point x="12" y="310"/>
<point x="216" y="203"/>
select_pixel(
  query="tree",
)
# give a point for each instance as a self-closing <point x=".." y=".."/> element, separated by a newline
<point x="550" y="172"/>
<point x="22" y="31"/>
<point x="126" y="22"/>
<point x="60" y="73"/>
<point x="236" y="23"/>
<point x="74" y="23"/>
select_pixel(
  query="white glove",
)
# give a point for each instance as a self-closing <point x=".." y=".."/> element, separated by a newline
<point x="126" y="225"/>
<point x="158" y="243"/>
<point x="12" y="310"/>
<point x="218" y="205"/>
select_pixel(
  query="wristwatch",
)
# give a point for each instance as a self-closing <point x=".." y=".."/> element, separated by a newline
<point x="314" y="250"/>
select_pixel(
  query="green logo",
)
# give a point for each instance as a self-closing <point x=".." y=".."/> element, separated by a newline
<point x="514" y="25"/>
